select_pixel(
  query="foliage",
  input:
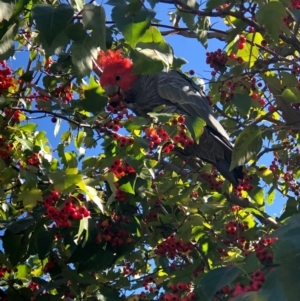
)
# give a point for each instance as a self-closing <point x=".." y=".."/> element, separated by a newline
<point x="110" y="212"/>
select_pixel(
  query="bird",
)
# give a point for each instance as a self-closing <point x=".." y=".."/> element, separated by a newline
<point x="174" y="92"/>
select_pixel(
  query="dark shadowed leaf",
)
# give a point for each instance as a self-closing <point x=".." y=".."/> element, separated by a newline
<point x="247" y="145"/>
<point x="242" y="102"/>
<point x="262" y="295"/>
<point x="50" y="20"/>
<point x="215" y="279"/>
<point x="93" y="18"/>
<point x="20" y="225"/>
<point x="44" y="242"/>
<point x="272" y="24"/>
<point x="82" y="53"/>
<point x="7" y="42"/>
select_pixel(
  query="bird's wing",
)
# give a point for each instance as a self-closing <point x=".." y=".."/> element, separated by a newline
<point x="183" y="93"/>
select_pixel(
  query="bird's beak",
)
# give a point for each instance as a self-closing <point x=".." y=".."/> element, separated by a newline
<point x="111" y="90"/>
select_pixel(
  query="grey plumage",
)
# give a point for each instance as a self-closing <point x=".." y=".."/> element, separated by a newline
<point x="181" y="95"/>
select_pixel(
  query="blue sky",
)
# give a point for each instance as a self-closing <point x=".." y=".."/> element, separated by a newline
<point x="188" y="48"/>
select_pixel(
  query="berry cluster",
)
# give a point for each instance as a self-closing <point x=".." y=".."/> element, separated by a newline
<point x="212" y="179"/>
<point x="128" y="270"/>
<point x="181" y="137"/>
<point x="6" y="78"/>
<point x="33" y="160"/>
<point x="171" y="248"/>
<point x="123" y="140"/>
<point x="234" y="230"/>
<point x="246" y="83"/>
<point x="287" y="171"/>
<point x="5" y="269"/>
<point x="152" y="216"/>
<point x="242" y="42"/>
<point x="156" y="136"/>
<point x="244" y="185"/>
<point x="33" y="286"/>
<point x="64" y="92"/>
<point x="120" y="168"/>
<point x="112" y="233"/>
<point x="49" y="265"/>
<point x="257" y="280"/>
<point x="263" y="251"/>
<point x="68" y="212"/>
<point x="14" y="115"/>
<point x="5" y="148"/>
<point x="216" y="60"/>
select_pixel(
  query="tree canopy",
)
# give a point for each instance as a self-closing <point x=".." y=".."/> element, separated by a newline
<point x="111" y="211"/>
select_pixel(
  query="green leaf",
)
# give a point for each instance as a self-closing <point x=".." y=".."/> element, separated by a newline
<point x="79" y="139"/>
<point x="127" y="187"/>
<point x="94" y="100"/>
<point x="50" y="20"/>
<point x="26" y="144"/>
<point x="7" y="42"/>
<point x="202" y="27"/>
<point x="24" y="270"/>
<point x="63" y="182"/>
<point x="188" y="18"/>
<point x="247" y="145"/>
<point x="250" y="52"/>
<point x="288" y="79"/>
<point x="272" y="24"/>
<point x="195" y="125"/>
<point x="271" y="196"/>
<point x="132" y="26"/>
<point x="153" y="46"/>
<point x="30" y="197"/>
<point x="243" y="102"/>
<point x="135" y="123"/>
<point x="258" y="195"/>
<point x="93" y="17"/>
<point x="215" y="279"/>
<point x="291" y="95"/>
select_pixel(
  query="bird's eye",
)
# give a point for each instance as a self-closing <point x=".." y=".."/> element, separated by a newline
<point x="118" y="77"/>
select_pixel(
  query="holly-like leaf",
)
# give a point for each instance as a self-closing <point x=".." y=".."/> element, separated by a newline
<point x="50" y="20"/>
<point x="64" y="182"/>
<point x="215" y="279"/>
<point x="247" y="145"/>
<point x="30" y="197"/>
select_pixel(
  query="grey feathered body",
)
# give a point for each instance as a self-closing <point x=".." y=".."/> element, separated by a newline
<point x="181" y="95"/>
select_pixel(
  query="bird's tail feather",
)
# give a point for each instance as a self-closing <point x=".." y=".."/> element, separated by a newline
<point x="232" y="176"/>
